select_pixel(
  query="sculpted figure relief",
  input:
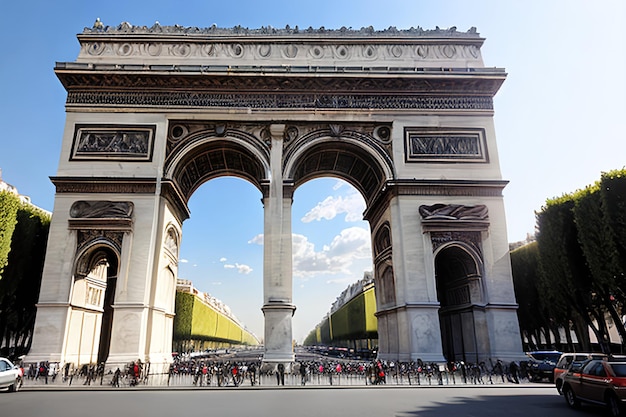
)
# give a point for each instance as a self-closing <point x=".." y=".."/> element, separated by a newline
<point x="453" y="212"/>
<point x="101" y="209"/>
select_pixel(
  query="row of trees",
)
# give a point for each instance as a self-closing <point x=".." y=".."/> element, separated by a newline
<point x="23" y="237"/>
<point x="572" y="279"/>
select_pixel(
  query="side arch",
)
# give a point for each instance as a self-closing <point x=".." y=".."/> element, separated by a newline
<point x="458" y="275"/>
<point x="92" y="299"/>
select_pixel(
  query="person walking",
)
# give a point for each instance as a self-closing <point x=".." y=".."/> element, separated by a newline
<point x="303" y="373"/>
<point x="280" y="374"/>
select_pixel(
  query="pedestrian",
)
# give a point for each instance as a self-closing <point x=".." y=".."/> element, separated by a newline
<point x="302" y="373"/>
<point x="514" y="370"/>
<point x="280" y="374"/>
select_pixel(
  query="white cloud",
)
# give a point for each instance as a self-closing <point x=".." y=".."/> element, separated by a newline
<point x="222" y="259"/>
<point x="350" y="245"/>
<point x="352" y="205"/>
<point x="183" y="261"/>
<point x="241" y="268"/>
<point x="338" y="185"/>
<point x="258" y="239"/>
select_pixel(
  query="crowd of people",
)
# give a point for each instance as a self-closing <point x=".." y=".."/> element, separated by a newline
<point x="219" y="372"/>
<point x="338" y="372"/>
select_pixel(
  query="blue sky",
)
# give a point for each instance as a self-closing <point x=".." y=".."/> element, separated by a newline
<point x="560" y="121"/>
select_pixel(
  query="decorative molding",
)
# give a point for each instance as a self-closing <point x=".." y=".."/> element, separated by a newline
<point x="218" y="50"/>
<point x="253" y="81"/>
<point x="180" y="99"/>
<point x="444" y="145"/>
<point x="182" y="133"/>
<point x="86" y="185"/>
<point x="113" y="142"/>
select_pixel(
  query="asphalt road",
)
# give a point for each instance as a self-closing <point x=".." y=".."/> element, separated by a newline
<point x="527" y="400"/>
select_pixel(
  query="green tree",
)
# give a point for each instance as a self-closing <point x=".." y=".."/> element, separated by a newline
<point x="9" y="204"/>
<point x="19" y="289"/>
<point x="565" y="275"/>
<point x="596" y="241"/>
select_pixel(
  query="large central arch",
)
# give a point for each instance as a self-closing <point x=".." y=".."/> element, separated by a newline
<point x="405" y="116"/>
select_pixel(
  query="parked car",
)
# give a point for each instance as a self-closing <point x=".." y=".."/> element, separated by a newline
<point x="10" y="375"/>
<point x="569" y="360"/>
<point x="541" y="364"/>
<point x="598" y="382"/>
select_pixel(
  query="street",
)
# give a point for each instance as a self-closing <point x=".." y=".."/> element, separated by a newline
<point x="535" y="400"/>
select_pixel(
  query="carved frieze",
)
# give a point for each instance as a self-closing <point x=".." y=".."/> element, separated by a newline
<point x="86" y="237"/>
<point x="445" y="145"/>
<point x="218" y="51"/>
<point x="471" y="238"/>
<point x="104" y="185"/>
<point x="113" y="142"/>
<point x="182" y="99"/>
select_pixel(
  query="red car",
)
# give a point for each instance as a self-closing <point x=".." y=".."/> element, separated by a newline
<point x="598" y="382"/>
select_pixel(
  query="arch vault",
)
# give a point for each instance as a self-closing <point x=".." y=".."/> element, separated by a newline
<point x="406" y="116"/>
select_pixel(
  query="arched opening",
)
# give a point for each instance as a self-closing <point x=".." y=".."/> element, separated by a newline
<point x="92" y="300"/>
<point x="460" y="296"/>
<point x="357" y="162"/>
<point x="331" y="255"/>
<point x="221" y="254"/>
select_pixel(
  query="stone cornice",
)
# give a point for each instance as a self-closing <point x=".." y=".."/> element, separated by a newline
<point x="354" y="80"/>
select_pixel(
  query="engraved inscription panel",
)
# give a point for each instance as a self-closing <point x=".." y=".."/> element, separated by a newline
<point x="113" y="142"/>
<point x="445" y="145"/>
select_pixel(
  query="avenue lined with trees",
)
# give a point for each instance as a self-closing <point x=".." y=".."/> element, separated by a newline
<point x="571" y="280"/>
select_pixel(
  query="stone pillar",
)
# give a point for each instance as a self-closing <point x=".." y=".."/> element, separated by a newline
<point x="277" y="259"/>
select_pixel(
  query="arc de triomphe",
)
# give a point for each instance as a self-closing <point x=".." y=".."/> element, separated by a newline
<point x="405" y="116"/>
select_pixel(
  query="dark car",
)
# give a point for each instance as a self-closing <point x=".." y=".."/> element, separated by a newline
<point x="598" y="382"/>
<point x="541" y="364"/>
<point x="569" y="360"/>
